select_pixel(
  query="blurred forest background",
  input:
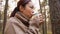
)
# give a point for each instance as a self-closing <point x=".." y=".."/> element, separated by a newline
<point x="49" y="8"/>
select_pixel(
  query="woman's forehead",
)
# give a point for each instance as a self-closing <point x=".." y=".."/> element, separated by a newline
<point x="30" y="4"/>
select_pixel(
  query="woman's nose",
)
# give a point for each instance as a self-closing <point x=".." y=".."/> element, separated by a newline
<point x="33" y="12"/>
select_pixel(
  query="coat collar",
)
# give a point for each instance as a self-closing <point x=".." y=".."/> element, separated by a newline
<point x="22" y="18"/>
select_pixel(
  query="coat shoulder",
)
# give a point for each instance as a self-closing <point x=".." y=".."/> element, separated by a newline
<point x="13" y="26"/>
<point x="13" y="20"/>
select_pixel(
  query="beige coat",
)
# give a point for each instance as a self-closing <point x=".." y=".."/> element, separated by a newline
<point x="15" y="25"/>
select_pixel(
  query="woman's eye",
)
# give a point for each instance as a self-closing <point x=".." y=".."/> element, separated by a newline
<point x="32" y="7"/>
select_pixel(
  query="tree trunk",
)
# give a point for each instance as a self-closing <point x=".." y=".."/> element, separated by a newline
<point x="0" y="9"/>
<point x="40" y="6"/>
<point x="5" y="15"/>
<point x="55" y="15"/>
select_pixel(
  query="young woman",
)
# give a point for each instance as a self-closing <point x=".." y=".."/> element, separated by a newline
<point x="21" y="20"/>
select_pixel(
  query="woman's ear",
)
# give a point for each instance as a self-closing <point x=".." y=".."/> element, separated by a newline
<point x="21" y="8"/>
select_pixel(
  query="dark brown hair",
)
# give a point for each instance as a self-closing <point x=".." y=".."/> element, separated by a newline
<point x="20" y="3"/>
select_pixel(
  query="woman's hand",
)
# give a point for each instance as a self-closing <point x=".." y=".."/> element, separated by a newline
<point x="36" y="20"/>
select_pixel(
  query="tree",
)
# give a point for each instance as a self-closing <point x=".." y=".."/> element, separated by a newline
<point x="44" y="25"/>
<point x="0" y="15"/>
<point x="0" y="9"/>
<point x="55" y="15"/>
<point x="5" y="15"/>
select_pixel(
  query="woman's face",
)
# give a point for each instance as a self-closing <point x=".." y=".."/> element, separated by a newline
<point x="28" y="10"/>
